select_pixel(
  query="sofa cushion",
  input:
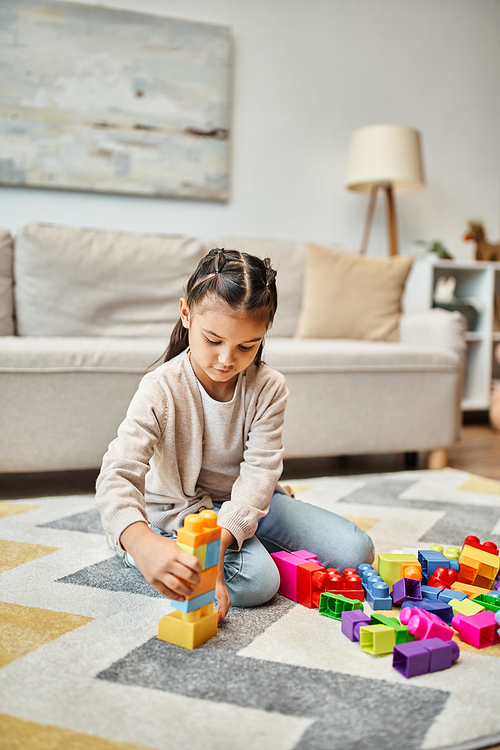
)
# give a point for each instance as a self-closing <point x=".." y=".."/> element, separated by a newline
<point x="352" y="296"/>
<point x="86" y="282"/>
<point x="344" y="355"/>
<point x="23" y="354"/>
<point x="6" y="293"/>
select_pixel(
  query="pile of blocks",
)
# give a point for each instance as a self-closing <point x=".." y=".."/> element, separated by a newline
<point x="195" y="620"/>
<point x="440" y="595"/>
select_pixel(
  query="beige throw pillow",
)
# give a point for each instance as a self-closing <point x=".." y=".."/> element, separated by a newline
<point x="352" y="296"/>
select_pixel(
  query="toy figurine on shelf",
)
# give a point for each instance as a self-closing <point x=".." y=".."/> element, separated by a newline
<point x="484" y="250"/>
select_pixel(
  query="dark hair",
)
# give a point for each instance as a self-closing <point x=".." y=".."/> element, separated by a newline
<point x="243" y="281"/>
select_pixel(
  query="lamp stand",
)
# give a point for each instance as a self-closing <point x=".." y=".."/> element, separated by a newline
<point x="391" y="218"/>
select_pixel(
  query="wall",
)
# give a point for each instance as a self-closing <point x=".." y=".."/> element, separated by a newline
<point x="305" y="75"/>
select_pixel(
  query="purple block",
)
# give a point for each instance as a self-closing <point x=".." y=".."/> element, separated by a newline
<point x="443" y="653"/>
<point x="406" y="588"/>
<point x="352" y="621"/>
<point x="411" y="659"/>
<point x="421" y="657"/>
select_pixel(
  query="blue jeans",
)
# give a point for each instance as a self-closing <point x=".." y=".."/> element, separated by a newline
<point x="250" y="575"/>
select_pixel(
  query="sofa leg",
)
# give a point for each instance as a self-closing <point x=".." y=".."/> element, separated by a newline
<point x="411" y="459"/>
<point x="438" y="459"/>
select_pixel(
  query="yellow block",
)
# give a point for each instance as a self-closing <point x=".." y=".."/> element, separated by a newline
<point x="199" y="552"/>
<point x="466" y="607"/>
<point x="173" y="628"/>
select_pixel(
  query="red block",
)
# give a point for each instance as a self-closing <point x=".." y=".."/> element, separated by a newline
<point x="313" y="580"/>
<point x="443" y="578"/>
<point x="473" y="541"/>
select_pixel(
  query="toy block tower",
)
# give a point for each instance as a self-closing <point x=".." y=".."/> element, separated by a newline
<point x="195" y="620"/>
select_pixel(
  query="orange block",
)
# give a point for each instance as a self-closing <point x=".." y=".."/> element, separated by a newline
<point x="411" y="569"/>
<point x="199" y="528"/>
<point x="207" y="583"/>
<point x="468" y="589"/>
<point x="478" y="567"/>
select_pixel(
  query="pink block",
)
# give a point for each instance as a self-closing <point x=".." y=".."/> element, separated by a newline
<point x="287" y="564"/>
<point x="477" y="630"/>
<point x="423" y="624"/>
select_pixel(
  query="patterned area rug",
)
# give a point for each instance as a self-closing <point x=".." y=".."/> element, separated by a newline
<point x="81" y="666"/>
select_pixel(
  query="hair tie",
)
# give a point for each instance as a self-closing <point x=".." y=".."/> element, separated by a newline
<point x="220" y="259"/>
<point x="270" y="272"/>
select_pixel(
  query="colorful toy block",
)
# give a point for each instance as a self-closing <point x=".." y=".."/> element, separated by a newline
<point x="489" y="601"/>
<point x="406" y="589"/>
<point x="377" y="592"/>
<point x="466" y="607"/>
<point x="497" y="618"/>
<point x="377" y="639"/>
<point x="479" y="567"/>
<point x="352" y="621"/>
<point x="473" y="541"/>
<point x="287" y="564"/>
<point x="448" y="594"/>
<point x="403" y="635"/>
<point x="430" y="592"/>
<point x="189" y="630"/>
<point x="423" y="624"/>
<point x="441" y="609"/>
<point x="466" y="588"/>
<point x="443" y="578"/>
<point x="431" y="560"/>
<point x="392" y="567"/>
<point x="199" y="528"/>
<point x="313" y="580"/>
<point x="452" y="553"/>
<point x="477" y="630"/>
<point x="332" y="605"/>
<point x="195" y="620"/>
<point x="422" y="657"/>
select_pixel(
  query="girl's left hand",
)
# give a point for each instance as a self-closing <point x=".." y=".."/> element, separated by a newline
<point x="223" y="599"/>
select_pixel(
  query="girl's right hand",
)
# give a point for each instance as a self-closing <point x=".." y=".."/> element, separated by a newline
<point x="167" y="568"/>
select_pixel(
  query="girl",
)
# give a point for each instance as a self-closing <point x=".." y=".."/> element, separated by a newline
<point x="204" y="430"/>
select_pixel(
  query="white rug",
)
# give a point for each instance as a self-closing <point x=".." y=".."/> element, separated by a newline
<point x="81" y="666"/>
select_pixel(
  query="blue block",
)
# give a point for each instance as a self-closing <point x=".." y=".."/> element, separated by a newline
<point x="447" y="595"/>
<point x="430" y="592"/>
<point x="442" y="610"/>
<point x="378" y="602"/>
<point x="188" y="605"/>
<point x="213" y="552"/>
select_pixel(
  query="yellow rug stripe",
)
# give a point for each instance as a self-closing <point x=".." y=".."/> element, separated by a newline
<point x="364" y="523"/>
<point x="482" y="485"/>
<point x="24" y="629"/>
<point x="13" y="554"/>
<point x="19" y="734"/>
<point x="12" y="509"/>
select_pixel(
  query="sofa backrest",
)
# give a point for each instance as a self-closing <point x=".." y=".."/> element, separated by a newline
<point x="86" y="282"/>
<point x="6" y="292"/>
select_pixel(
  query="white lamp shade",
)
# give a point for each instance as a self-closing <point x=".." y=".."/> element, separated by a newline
<point x="385" y="155"/>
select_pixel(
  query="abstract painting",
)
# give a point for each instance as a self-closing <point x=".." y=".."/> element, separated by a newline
<point x="110" y="101"/>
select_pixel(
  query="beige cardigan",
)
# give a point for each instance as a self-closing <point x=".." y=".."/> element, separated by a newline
<point x="150" y="470"/>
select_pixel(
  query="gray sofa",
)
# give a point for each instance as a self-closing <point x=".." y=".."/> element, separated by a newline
<point x="84" y="313"/>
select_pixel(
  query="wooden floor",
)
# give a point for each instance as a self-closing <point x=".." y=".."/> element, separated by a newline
<point x="477" y="452"/>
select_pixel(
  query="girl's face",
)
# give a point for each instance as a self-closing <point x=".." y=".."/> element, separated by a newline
<point x="223" y="343"/>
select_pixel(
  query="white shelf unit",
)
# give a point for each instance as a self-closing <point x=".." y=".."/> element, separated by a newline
<point x="481" y="281"/>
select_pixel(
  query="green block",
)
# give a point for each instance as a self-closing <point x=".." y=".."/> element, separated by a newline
<point x="403" y="635"/>
<point x="377" y="639"/>
<point x="488" y="602"/>
<point x="332" y="605"/>
<point x="199" y="552"/>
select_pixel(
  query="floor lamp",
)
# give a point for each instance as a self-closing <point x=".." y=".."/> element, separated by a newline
<point x="387" y="158"/>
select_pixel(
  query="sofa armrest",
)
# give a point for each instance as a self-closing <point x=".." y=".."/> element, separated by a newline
<point x="437" y="328"/>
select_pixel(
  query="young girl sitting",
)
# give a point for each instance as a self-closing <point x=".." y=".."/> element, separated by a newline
<point x="204" y="430"/>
